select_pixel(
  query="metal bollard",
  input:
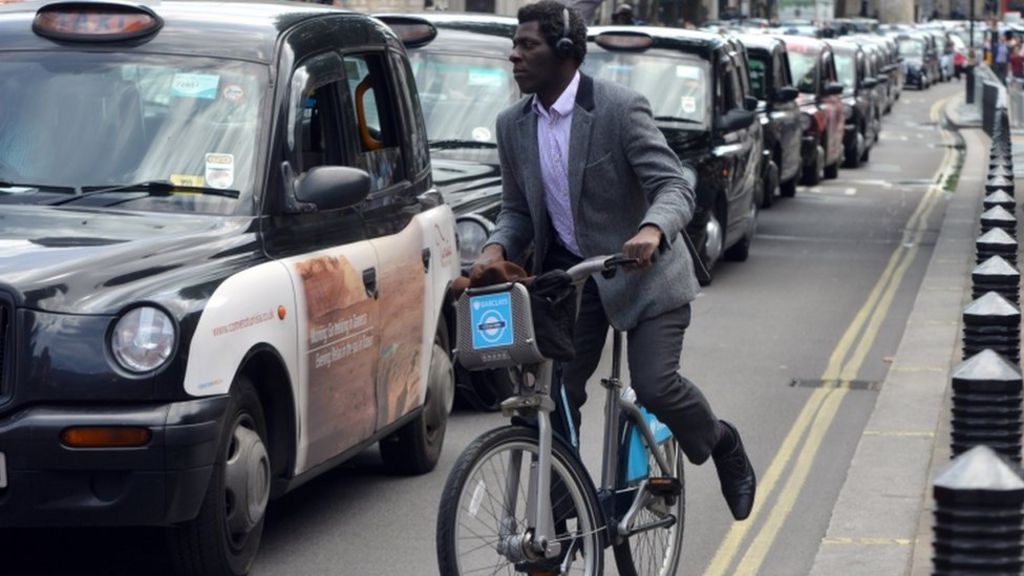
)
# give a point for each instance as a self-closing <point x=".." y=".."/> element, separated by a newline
<point x="1000" y="198"/>
<point x="1001" y="218"/>
<point x="979" y="516"/>
<point x="996" y="243"/>
<point x="987" y="405"/>
<point x="991" y="322"/>
<point x="1001" y="172"/>
<point x="998" y="183"/>
<point x="999" y="276"/>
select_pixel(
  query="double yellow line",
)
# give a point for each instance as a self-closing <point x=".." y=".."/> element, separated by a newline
<point x="818" y="413"/>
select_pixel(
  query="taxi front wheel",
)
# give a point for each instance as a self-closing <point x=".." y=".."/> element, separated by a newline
<point x="224" y="538"/>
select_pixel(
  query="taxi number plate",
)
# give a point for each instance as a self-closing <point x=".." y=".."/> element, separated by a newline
<point x="3" y="471"/>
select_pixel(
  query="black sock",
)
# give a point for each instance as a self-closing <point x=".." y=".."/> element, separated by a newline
<point x="726" y="441"/>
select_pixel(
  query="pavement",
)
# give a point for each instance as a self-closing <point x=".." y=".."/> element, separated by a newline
<point x="882" y="520"/>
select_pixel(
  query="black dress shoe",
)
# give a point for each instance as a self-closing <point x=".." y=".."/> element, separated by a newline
<point x="737" y="477"/>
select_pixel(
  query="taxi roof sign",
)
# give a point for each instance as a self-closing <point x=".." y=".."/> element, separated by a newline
<point x="95" y="21"/>
<point x="626" y="41"/>
<point x="410" y="30"/>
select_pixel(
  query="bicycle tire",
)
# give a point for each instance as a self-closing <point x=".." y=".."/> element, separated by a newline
<point x="459" y="526"/>
<point x="656" y="552"/>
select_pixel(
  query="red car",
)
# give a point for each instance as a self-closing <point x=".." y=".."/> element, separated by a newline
<point x="821" y="103"/>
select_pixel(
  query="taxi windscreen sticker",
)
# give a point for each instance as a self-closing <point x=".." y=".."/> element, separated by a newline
<point x="492" y="320"/>
<point x="482" y="134"/>
<point x="195" y="86"/>
<point x="689" y="104"/>
<point x="187" y="180"/>
<point x="220" y="170"/>
<point x="233" y="93"/>
<point x="487" y="77"/>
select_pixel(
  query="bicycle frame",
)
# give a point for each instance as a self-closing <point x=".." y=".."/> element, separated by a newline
<point x="534" y="399"/>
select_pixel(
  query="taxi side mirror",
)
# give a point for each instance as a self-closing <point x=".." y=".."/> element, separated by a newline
<point x="868" y="83"/>
<point x="834" y="89"/>
<point x="786" y="94"/>
<point x="750" y="103"/>
<point x="333" y="187"/>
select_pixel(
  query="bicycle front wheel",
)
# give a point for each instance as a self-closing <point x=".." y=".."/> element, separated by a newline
<point x="482" y="520"/>
<point x="654" y="551"/>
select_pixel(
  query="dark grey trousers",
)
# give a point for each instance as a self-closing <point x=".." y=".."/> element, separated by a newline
<point x="654" y="349"/>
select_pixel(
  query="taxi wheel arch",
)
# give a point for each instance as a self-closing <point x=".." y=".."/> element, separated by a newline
<point x="266" y="370"/>
<point x="416" y="447"/>
<point x="209" y="544"/>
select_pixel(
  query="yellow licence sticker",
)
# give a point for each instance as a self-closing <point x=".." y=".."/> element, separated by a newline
<point x="187" y="180"/>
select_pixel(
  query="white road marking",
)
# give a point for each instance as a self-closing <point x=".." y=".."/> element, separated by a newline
<point x="850" y="191"/>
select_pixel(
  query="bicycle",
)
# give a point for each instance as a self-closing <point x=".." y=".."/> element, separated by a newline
<point x="519" y="499"/>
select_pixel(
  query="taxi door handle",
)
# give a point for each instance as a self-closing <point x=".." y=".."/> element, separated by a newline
<point x="370" y="282"/>
<point x="426" y="259"/>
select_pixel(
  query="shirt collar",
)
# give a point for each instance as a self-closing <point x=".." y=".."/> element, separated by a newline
<point x="565" y="103"/>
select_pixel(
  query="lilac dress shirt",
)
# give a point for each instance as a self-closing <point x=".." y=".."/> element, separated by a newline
<point x="554" y="127"/>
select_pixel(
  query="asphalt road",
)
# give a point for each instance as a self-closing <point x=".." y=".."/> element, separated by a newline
<point x="822" y="300"/>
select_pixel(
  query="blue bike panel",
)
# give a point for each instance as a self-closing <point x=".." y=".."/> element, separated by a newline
<point x="637" y="463"/>
<point x="491" y="315"/>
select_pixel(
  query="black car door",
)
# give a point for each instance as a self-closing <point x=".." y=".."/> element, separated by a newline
<point x="738" y="147"/>
<point x="787" y="114"/>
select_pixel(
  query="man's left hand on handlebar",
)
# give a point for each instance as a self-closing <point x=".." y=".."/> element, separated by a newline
<point x="643" y="246"/>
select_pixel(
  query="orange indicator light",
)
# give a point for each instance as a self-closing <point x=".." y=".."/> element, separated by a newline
<point x="105" y="437"/>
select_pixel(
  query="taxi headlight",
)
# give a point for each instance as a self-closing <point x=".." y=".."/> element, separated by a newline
<point x="143" y="339"/>
<point x="473" y="232"/>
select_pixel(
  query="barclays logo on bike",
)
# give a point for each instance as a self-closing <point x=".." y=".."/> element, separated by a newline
<point x="492" y="321"/>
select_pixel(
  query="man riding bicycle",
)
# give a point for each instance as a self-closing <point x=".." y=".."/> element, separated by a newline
<point x="585" y="171"/>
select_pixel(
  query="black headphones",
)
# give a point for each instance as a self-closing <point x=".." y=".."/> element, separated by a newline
<point x="565" y="45"/>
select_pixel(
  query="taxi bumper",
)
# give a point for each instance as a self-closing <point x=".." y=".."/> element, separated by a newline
<point x="161" y="483"/>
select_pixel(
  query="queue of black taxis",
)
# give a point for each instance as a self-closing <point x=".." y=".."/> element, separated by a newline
<point x="222" y="265"/>
<point x="696" y="84"/>
<point x="464" y="77"/>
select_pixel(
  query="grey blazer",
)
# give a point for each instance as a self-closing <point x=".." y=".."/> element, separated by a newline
<point x="622" y="175"/>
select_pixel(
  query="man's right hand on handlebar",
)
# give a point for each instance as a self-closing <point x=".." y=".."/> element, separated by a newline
<point x="490" y="255"/>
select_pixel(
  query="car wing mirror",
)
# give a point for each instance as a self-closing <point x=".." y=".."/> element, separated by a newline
<point x="735" y="120"/>
<point x="786" y="94"/>
<point x="332" y="187"/>
<point x="882" y="79"/>
<point x="750" y="103"/>
<point x="834" y="89"/>
<point x="868" y="83"/>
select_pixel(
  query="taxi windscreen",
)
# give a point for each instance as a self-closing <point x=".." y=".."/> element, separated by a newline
<point x="74" y="123"/>
<point x="802" y="65"/>
<point x="461" y="95"/>
<point x="910" y="47"/>
<point x="677" y="88"/>
<point x="845" y="70"/>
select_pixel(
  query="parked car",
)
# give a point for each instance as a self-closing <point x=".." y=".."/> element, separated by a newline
<point x="862" y="100"/>
<point x="694" y="83"/>
<point x="223" y="265"/>
<point x="772" y="84"/>
<point x="461" y="66"/>
<point x="885" y="54"/>
<point x="821" y="103"/>
<point x="916" y="69"/>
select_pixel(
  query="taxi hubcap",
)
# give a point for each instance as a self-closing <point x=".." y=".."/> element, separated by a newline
<point x="246" y="481"/>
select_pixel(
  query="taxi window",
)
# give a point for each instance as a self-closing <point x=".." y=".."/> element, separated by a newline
<point x="758" y="76"/>
<point x="378" y="146"/>
<point x="802" y="65"/>
<point x="314" y="129"/>
<point x="413" y="125"/>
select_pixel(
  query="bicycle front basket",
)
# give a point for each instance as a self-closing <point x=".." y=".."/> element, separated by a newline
<point x="495" y="328"/>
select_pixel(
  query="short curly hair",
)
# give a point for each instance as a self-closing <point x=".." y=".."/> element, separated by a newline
<point x="548" y="14"/>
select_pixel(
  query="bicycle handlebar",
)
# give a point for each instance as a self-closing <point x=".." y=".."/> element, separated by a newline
<point x="598" y="264"/>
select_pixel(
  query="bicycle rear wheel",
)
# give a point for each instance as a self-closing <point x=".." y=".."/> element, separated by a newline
<point x="653" y="552"/>
<point x="484" y="485"/>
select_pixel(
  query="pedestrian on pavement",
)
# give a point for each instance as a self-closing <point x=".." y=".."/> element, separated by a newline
<point x="585" y="172"/>
<point x="623" y="15"/>
<point x="1001" y="57"/>
<point x="1017" y="63"/>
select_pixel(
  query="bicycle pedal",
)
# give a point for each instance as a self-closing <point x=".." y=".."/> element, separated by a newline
<point x="665" y="486"/>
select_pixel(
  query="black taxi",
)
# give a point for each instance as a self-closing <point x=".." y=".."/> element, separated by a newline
<point x="464" y="78"/>
<point x="222" y="265"/>
<point x="697" y="84"/>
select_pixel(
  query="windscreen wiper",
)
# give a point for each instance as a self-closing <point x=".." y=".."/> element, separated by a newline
<point x="456" y="143"/>
<point x="151" y="188"/>
<point x="6" y="184"/>
<point x="677" y="119"/>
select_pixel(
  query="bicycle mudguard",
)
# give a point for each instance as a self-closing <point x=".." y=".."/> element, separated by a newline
<point x="637" y="461"/>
